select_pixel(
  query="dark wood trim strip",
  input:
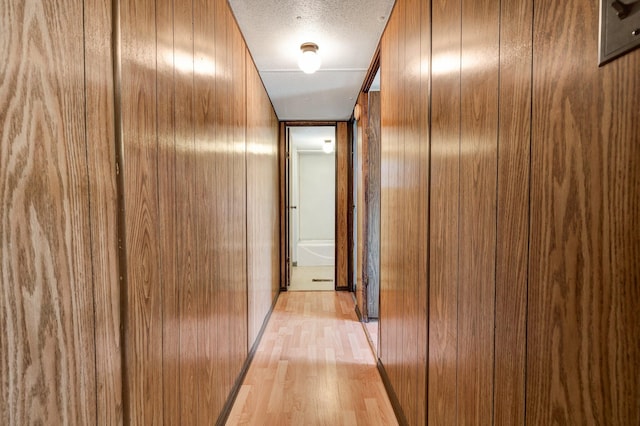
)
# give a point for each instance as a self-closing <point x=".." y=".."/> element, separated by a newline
<point x="282" y="159"/>
<point x="350" y="204"/>
<point x="309" y="123"/>
<point x="335" y="214"/>
<point x="342" y="208"/>
<point x="226" y="409"/>
<point x="372" y="71"/>
<point x="359" y="314"/>
<point x="395" y="403"/>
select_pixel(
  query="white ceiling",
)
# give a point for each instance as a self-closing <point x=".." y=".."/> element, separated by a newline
<point x="347" y="33"/>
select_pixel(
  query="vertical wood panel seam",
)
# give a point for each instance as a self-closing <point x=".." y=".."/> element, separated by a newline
<point x="497" y="216"/>
<point x="428" y="189"/>
<point x="175" y="205"/>
<point x="89" y="215"/>
<point x="459" y="212"/>
<point x="526" y="305"/>
<point x="121" y="224"/>
<point x="194" y="217"/>
<point x="161" y="275"/>
<point x="246" y="199"/>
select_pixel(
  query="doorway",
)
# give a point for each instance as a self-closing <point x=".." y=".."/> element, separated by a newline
<point x="312" y="207"/>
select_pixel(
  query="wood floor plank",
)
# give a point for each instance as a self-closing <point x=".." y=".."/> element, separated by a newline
<point x="313" y="366"/>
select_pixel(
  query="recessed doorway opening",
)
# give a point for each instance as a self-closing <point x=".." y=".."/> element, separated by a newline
<point x="311" y="210"/>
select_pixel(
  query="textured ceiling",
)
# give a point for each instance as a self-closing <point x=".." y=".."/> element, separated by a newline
<point x="347" y="33"/>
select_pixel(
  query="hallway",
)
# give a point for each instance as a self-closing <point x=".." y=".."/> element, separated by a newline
<point x="313" y="366"/>
<point x="143" y="214"/>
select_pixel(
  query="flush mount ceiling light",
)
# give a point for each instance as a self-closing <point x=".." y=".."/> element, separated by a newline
<point x="309" y="60"/>
<point x="327" y="146"/>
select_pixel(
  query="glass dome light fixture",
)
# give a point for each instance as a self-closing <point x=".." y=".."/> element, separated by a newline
<point x="309" y="60"/>
<point x="327" y="146"/>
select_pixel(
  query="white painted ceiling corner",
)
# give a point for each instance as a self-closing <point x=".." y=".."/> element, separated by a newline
<point x="347" y="33"/>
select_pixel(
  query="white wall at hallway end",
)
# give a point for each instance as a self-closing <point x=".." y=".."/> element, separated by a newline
<point x="316" y="173"/>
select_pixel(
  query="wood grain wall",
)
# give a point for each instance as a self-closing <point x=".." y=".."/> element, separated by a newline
<point x="199" y="142"/>
<point x="583" y="356"/>
<point x="404" y="179"/>
<point x="521" y="231"/>
<point x="263" y="215"/>
<point x="127" y="130"/>
<point x="59" y="318"/>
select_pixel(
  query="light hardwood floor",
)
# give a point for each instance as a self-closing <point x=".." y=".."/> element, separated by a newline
<point x="302" y="278"/>
<point x="313" y="366"/>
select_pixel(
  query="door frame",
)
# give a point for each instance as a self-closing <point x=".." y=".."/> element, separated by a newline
<point x="368" y="190"/>
<point x="341" y="226"/>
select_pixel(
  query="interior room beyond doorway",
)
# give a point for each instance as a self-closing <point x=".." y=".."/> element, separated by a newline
<point x="312" y="184"/>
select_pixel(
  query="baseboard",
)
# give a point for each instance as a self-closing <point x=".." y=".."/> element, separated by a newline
<point x="395" y="403"/>
<point x="358" y="313"/>
<point x="226" y="410"/>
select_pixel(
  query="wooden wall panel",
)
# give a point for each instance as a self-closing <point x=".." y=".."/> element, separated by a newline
<point x="197" y="64"/>
<point x="418" y="44"/>
<point x="186" y="126"/>
<point x="388" y="326"/>
<point x="263" y="221"/>
<point x="404" y="219"/>
<point x="343" y="153"/>
<point x="384" y="325"/>
<point x="514" y="144"/>
<point x="138" y="125"/>
<point x="399" y="215"/>
<point x="204" y="363"/>
<point x="444" y="198"/>
<point x="143" y="326"/>
<point x="414" y="219"/>
<point x="478" y="164"/>
<point x="223" y="170"/>
<point x="100" y="134"/>
<point x="583" y="357"/>
<point x="238" y="238"/>
<point x="167" y="210"/>
<point x="532" y="192"/>
<point x="47" y="318"/>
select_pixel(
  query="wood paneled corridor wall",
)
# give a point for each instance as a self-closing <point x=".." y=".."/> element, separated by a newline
<point x="140" y="197"/>
<point x="510" y="272"/>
